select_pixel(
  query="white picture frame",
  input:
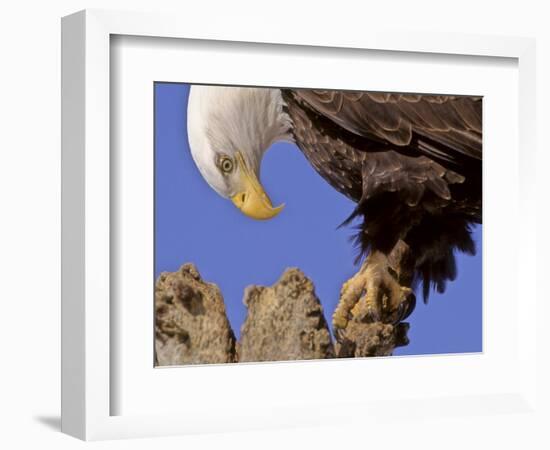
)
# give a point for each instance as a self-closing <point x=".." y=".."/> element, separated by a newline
<point x="87" y="328"/>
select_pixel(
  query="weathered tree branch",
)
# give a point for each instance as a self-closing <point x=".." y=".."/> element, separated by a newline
<point x="284" y="321"/>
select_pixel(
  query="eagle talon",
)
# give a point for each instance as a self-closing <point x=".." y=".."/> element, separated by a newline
<point x="366" y="311"/>
<point x="400" y="316"/>
<point x="370" y="315"/>
<point x="405" y="308"/>
<point x="402" y="313"/>
<point x="351" y="292"/>
<point x="339" y="334"/>
<point x="339" y="320"/>
<point x="374" y="294"/>
<point x="373" y="315"/>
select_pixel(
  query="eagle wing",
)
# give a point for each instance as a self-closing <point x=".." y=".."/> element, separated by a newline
<point x="444" y="127"/>
<point x="411" y="162"/>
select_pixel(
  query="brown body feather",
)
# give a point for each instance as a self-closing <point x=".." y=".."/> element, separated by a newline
<point x="412" y="163"/>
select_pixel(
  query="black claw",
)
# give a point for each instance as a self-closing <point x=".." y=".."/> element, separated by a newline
<point x="405" y="309"/>
<point x="339" y="334"/>
<point x="410" y="305"/>
<point x="400" y="315"/>
<point x="372" y="315"/>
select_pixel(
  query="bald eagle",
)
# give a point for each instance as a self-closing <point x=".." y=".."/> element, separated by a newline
<point x="412" y="164"/>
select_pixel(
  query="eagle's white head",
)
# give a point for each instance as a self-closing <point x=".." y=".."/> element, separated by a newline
<point x="229" y="130"/>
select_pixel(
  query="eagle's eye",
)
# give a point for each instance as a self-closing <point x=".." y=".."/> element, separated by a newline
<point x="226" y="164"/>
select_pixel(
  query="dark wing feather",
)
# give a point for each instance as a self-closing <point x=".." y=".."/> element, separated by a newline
<point x="441" y="126"/>
<point x="412" y="163"/>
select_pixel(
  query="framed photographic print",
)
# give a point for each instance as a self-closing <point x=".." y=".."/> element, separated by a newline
<point x="250" y="218"/>
<point x="403" y="170"/>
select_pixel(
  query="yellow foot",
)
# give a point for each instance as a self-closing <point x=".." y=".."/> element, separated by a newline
<point x="373" y="295"/>
<point x="349" y="294"/>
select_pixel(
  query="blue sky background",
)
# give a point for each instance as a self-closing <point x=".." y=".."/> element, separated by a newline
<point x="194" y="224"/>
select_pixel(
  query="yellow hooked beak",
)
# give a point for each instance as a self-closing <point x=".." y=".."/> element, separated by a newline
<point x="252" y="200"/>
